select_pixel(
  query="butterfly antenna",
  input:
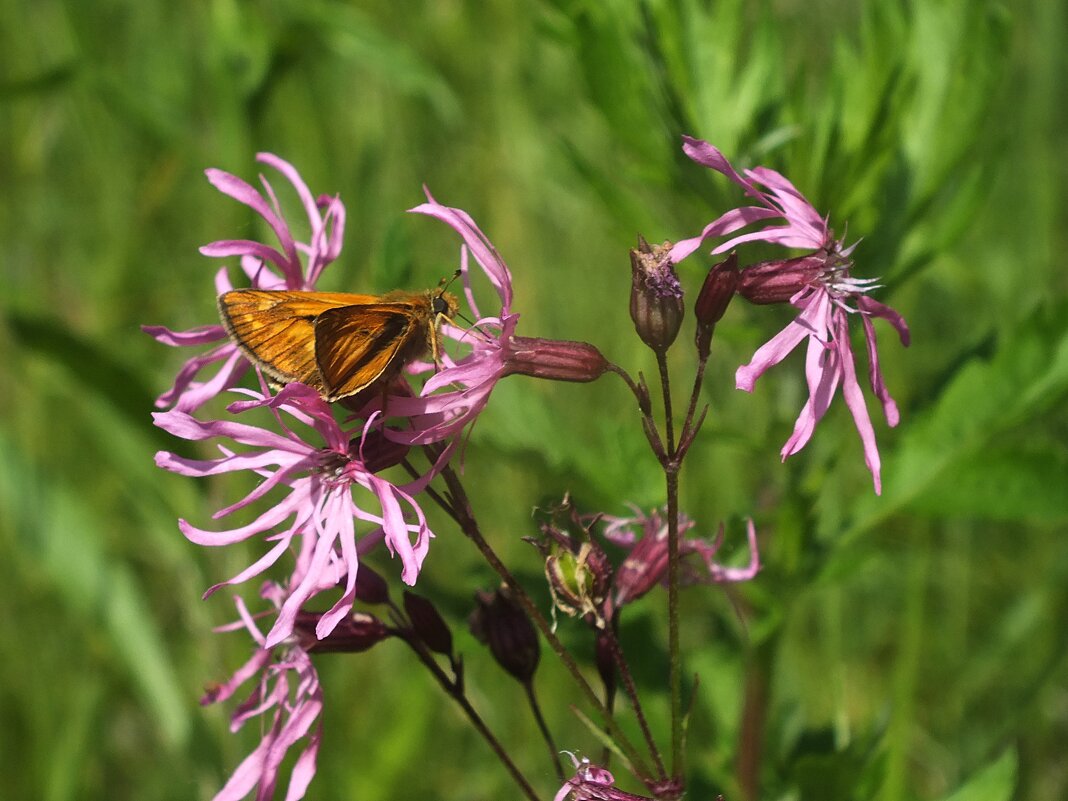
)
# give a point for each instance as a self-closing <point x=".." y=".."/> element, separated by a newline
<point x="446" y="283"/>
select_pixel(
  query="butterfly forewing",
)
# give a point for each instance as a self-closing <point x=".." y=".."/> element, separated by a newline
<point x="355" y="345"/>
<point x="276" y="328"/>
<point x="337" y="342"/>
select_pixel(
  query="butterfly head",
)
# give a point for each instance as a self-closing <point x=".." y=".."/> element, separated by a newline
<point x="444" y="304"/>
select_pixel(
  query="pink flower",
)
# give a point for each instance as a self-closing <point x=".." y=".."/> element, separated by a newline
<point x="592" y="783"/>
<point x="294" y="265"/>
<point x="819" y="284"/>
<point x="288" y="696"/>
<point x="456" y="395"/>
<point x="320" y="468"/>
<point x="646" y="563"/>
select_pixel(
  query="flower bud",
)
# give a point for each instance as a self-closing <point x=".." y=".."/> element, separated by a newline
<point x="656" y="305"/>
<point x="604" y="658"/>
<point x="357" y="632"/>
<point x="377" y="452"/>
<point x="500" y="622"/>
<point x="555" y="359"/>
<point x="370" y="587"/>
<point x="428" y="624"/>
<point x="712" y="300"/>
<point x="778" y="281"/>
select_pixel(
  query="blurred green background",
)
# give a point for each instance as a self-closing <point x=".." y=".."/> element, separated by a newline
<point x="908" y="646"/>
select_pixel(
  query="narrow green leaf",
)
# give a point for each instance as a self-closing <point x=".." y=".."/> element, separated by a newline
<point x="986" y="397"/>
<point x="995" y="782"/>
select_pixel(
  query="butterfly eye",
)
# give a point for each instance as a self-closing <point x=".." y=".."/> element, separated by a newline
<point x="440" y="306"/>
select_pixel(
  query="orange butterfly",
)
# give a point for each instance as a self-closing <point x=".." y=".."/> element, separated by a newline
<point x="337" y="342"/>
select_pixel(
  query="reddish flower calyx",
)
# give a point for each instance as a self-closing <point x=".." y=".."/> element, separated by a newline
<point x="779" y="280"/>
<point x="356" y="633"/>
<point x="713" y="299"/>
<point x="555" y="359"/>
<point x="370" y="587"/>
<point x="377" y="452"/>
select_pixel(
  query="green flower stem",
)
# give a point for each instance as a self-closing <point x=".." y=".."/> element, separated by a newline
<point x="460" y="510"/>
<point x="671" y="475"/>
<point x="543" y="727"/>
<point x="674" y="667"/>
<point x="632" y="694"/>
<point x="454" y="691"/>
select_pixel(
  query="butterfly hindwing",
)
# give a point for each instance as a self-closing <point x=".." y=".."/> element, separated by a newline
<point x="355" y="345"/>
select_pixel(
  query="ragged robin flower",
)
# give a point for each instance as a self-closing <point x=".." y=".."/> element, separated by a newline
<point x="645" y="537"/>
<point x="818" y="283"/>
<point x="292" y="265"/>
<point x="593" y="783"/>
<point x="330" y="476"/>
<point x="453" y="397"/>
<point x="286" y="696"/>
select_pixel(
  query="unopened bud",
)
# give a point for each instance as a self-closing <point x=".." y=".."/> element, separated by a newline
<point x="357" y="632"/>
<point x="428" y="624"/>
<point x="377" y="452"/>
<point x="656" y="304"/>
<point x="778" y="281"/>
<point x="500" y="622"/>
<point x="604" y="657"/>
<point x="712" y="301"/>
<point x="555" y="359"/>
<point x="370" y="587"/>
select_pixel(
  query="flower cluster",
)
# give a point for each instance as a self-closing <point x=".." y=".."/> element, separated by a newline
<point x="818" y="283"/>
<point x="324" y="476"/>
<point x="286" y="692"/>
<point x="322" y="498"/>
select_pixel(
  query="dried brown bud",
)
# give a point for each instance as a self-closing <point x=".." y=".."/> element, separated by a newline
<point x="656" y="304"/>
<point x="500" y="622"/>
<point x="712" y="301"/>
<point x="778" y="281"/>
<point x="555" y="359"/>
